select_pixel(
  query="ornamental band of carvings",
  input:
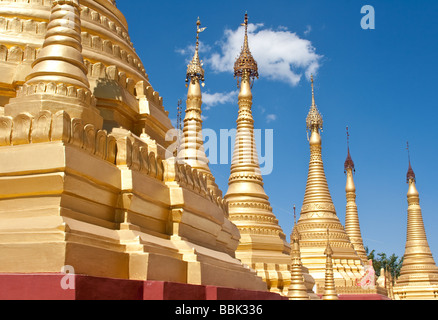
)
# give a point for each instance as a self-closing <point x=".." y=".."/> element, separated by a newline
<point x="318" y="207"/>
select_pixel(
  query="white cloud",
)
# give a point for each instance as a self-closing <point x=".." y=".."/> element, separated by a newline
<point x="308" y="30"/>
<point x="189" y="51"/>
<point x="281" y="54"/>
<point x="213" y="99"/>
<point x="270" y="118"/>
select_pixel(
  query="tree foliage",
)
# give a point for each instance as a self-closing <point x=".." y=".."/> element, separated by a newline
<point x="381" y="261"/>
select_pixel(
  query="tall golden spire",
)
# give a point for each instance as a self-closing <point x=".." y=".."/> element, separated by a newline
<point x="297" y="288"/>
<point x="318" y="213"/>
<point x="263" y="244"/>
<point x="329" y="285"/>
<point x="352" y="226"/>
<point x="192" y="145"/>
<point x="419" y="273"/>
<point x="59" y="70"/>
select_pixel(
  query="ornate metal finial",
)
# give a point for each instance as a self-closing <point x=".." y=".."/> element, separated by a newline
<point x="314" y="119"/>
<point x="245" y="67"/>
<point x="411" y="175"/>
<point x="349" y="164"/>
<point x="195" y="72"/>
<point x="313" y="91"/>
<point x="179" y="126"/>
<point x="295" y="214"/>
<point x="329" y="251"/>
<point x="295" y="237"/>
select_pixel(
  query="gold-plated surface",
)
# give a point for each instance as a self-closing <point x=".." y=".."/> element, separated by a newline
<point x="352" y="226"/>
<point x="192" y="145"/>
<point x="58" y="79"/>
<point x="318" y="213"/>
<point x="117" y="77"/>
<point x="297" y="288"/>
<point x="329" y="284"/>
<point x="99" y="197"/>
<point x="60" y="59"/>
<point x="419" y="274"/>
<point x="263" y="244"/>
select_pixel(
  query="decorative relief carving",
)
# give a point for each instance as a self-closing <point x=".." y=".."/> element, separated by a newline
<point x="260" y="230"/>
<point x="22" y="129"/>
<point x="46" y="127"/>
<point x="41" y="127"/>
<point x="256" y="205"/>
<point x="51" y="88"/>
<point x="245" y="176"/>
<point x="6" y="124"/>
<point x="329" y="207"/>
<point x="254" y="217"/>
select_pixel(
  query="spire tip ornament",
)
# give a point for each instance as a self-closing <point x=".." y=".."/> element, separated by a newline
<point x="195" y="72"/>
<point x="349" y="164"/>
<point x="314" y="119"/>
<point x="411" y="174"/>
<point x="245" y="67"/>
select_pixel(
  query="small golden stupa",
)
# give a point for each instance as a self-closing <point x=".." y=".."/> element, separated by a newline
<point x="192" y="145"/>
<point x="329" y="284"/>
<point x="419" y="274"/>
<point x="352" y="226"/>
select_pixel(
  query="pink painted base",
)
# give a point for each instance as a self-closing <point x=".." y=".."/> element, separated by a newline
<point x="48" y="287"/>
<point x="363" y="297"/>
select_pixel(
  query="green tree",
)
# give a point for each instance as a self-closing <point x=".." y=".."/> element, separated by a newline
<point x="393" y="264"/>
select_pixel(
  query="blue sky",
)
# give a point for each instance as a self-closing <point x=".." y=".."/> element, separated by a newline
<point x="381" y="83"/>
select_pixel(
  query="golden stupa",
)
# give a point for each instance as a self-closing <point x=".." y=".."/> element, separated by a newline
<point x="86" y="179"/>
<point x="419" y="274"/>
<point x="263" y="244"/>
<point x="191" y="150"/>
<point x="297" y="289"/>
<point x="318" y="214"/>
<point x="352" y="226"/>
<point x="330" y="292"/>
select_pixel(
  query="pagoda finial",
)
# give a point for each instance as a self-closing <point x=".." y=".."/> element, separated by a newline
<point x="245" y="67"/>
<point x="295" y="214"/>
<point x="349" y="164"/>
<point x="195" y="72"/>
<point x="411" y="175"/>
<point x="314" y="119"/>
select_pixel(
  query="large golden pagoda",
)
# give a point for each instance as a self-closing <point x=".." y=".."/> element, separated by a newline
<point x="419" y="274"/>
<point x="318" y="214"/>
<point x="263" y="244"/>
<point x="84" y="179"/>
